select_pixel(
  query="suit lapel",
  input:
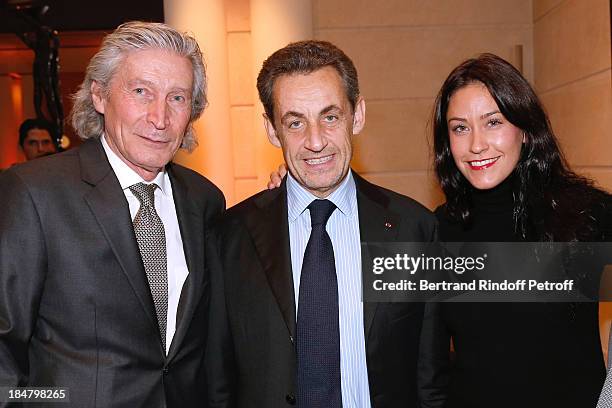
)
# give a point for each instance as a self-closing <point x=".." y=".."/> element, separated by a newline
<point x="109" y="206"/>
<point x="376" y="224"/>
<point x="269" y="229"/>
<point x="191" y="224"/>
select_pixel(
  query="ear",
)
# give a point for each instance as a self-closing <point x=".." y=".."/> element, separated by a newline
<point x="272" y="136"/>
<point x="359" y="116"/>
<point x="524" y="137"/>
<point x="97" y="97"/>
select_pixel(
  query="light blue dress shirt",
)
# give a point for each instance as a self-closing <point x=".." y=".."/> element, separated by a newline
<point x="343" y="229"/>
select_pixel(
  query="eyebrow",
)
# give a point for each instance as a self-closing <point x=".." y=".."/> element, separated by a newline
<point x="292" y="113"/>
<point x="325" y="110"/>
<point x="151" y="84"/>
<point x="139" y="81"/>
<point x="329" y="108"/>
<point x="486" y="115"/>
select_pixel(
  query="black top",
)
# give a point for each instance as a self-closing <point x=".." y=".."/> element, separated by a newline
<point x="512" y="354"/>
<point x="491" y="220"/>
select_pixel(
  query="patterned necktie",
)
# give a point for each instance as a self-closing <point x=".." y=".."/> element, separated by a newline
<point x="318" y="332"/>
<point x="605" y="398"/>
<point x="151" y="238"/>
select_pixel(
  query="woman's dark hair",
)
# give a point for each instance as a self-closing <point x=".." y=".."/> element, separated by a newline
<point x="550" y="201"/>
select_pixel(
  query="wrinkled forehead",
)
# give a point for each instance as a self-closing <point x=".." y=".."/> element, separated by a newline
<point x="309" y="91"/>
<point x="156" y="65"/>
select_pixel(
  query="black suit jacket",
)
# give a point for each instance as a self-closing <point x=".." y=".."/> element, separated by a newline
<point x="75" y="306"/>
<point x="252" y="360"/>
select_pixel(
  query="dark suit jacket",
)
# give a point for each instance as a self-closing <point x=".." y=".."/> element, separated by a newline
<point x="75" y="306"/>
<point x="252" y="360"/>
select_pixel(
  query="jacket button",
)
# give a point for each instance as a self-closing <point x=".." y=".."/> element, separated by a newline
<point x="290" y="399"/>
<point x="165" y="370"/>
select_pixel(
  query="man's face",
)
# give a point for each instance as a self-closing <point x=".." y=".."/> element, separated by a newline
<point x="147" y="108"/>
<point x="38" y="143"/>
<point x="314" y="125"/>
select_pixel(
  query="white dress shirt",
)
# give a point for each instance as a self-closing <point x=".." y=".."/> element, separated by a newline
<point x="164" y="205"/>
<point x="343" y="230"/>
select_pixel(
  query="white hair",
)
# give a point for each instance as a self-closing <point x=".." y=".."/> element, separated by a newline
<point x="128" y="37"/>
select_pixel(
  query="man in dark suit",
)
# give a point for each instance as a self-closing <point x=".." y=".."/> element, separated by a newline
<point x="288" y="271"/>
<point x="103" y="290"/>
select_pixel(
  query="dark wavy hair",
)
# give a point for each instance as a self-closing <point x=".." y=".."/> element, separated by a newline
<point x="551" y="203"/>
<point x="305" y="57"/>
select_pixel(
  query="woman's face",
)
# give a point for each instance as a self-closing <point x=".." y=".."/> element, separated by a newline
<point x="485" y="146"/>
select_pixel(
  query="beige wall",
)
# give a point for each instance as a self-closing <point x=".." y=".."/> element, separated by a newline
<point x="242" y="97"/>
<point x="256" y="28"/>
<point x="403" y="50"/>
<point x="205" y="20"/>
<point x="572" y="76"/>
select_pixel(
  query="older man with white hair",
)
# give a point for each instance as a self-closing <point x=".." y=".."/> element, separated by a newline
<point x="103" y="289"/>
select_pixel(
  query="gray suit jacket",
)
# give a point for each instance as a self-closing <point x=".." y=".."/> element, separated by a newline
<point x="75" y="307"/>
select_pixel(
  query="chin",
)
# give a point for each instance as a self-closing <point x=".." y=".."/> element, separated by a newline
<point x="485" y="184"/>
<point x="155" y="161"/>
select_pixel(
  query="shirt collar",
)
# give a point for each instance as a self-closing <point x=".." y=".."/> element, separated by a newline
<point x="128" y="177"/>
<point x="298" y="198"/>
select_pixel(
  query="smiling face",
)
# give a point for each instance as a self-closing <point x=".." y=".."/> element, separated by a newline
<point x="314" y="124"/>
<point x="486" y="147"/>
<point x="147" y="108"/>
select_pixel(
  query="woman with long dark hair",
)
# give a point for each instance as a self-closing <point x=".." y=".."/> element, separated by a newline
<point x="505" y="179"/>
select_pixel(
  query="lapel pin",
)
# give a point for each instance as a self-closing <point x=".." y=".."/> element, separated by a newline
<point x="388" y="225"/>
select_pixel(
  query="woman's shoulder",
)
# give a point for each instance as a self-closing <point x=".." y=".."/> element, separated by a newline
<point x="446" y="219"/>
<point x="590" y="210"/>
<point x="440" y="211"/>
<point x="601" y="213"/>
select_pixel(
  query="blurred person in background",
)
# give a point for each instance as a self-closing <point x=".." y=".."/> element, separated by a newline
<point x="35" y="138"/>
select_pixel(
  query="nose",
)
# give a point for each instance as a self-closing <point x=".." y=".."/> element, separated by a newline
<point x="315" y="139"/>
<point x="43" y="146"/>
<point x="479" y="142"/>
<point x="46" y="146"/>
<point x="157" y="113"/>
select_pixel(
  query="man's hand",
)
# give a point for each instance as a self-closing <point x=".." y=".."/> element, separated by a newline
<point x="276" y="177"/>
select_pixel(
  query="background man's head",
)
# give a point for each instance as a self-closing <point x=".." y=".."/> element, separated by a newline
<point x="310" y="94"/>
<point x="35" y="138"/>
<point x="143" y="89"/>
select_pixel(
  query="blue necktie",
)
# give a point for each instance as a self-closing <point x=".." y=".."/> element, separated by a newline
<point x="318" y="332"/>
